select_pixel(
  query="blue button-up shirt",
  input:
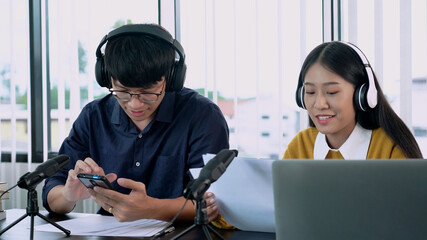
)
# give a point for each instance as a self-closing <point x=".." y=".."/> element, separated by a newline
<point x="186" y="126"/>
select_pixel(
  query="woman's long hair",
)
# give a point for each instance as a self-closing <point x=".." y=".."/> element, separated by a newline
<point x="345" y="62"/>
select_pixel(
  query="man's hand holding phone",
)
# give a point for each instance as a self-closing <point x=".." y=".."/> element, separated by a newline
<point x="74" y="190"/>
<point x="90" y="181"/>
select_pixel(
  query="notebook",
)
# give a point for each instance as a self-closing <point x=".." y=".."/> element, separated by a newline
<point x="357" y="199"/>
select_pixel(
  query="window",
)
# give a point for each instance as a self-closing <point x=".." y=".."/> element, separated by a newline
<point x="62" y="55"/>
<point x="420" y="132"/>
<point x="249" y="53"/>
<point x="265" y="134"/>
<point x="14" y="79"/>
<point x="80" y="25"/>
<point x="420" y="85"/>
<point x="245" y="55"/>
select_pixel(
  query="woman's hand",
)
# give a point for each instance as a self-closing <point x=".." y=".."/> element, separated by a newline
<point x="212" y="208"/>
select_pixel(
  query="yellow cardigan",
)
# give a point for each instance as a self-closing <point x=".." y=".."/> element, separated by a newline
<point x="381" y="146"/>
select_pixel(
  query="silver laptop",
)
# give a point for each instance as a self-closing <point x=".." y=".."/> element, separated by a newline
<point x="350" y="199"/>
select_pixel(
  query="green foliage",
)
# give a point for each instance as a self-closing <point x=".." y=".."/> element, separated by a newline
<point x="54" y="98"/>
<point x="21" y="99"/>
<point x="84" y="96"/>
<point x="121" y="22"/>
<point x="84" y="93"/>
<point x="4" y="76"/>
<point x="82" y="58"/>
<point x="210" y="94"/>
<point x="101" y="95"/>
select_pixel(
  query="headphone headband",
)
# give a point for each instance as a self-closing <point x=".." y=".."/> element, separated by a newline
<point x="138" y="29"/>
<point x="176" y="79"/>
<point x="372" y="89"/>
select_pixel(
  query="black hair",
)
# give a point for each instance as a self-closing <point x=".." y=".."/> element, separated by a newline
<point x="345" y="62"/>
<point x="139" y="60"/>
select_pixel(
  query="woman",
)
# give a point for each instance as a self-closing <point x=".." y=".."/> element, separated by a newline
<point x="349" y="116"/>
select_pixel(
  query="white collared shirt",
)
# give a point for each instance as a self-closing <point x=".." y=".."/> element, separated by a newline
<point x="355" y="147"/>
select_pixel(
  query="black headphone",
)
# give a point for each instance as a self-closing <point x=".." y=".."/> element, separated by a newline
<point x="176" y="78"/>
<point x="365" y="95"/>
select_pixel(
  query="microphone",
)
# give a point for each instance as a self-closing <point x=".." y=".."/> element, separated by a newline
<point x="209" y="174"/>
<point x="44" y="170"/>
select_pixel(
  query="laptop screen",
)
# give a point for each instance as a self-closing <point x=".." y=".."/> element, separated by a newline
<point x="360" y="199"/>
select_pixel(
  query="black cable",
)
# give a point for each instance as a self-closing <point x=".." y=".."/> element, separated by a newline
<point x="7" y="191"/>
<point x="163" y="232"/>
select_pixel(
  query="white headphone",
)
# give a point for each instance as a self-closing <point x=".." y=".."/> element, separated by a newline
<point x="365" y="96"/>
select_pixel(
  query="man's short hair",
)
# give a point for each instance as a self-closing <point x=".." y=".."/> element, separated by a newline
<point x="138" y="60"/>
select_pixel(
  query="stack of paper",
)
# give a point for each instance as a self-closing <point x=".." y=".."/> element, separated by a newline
<point x="3" y="187"/>
<point x="98" y="225"/>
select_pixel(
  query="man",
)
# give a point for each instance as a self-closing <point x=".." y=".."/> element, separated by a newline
<point x="146" y="134"/>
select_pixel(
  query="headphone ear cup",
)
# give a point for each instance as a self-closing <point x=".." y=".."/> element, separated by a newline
<point x="360" y="98"/>
<point x="101" y="74"/>
<point x="299" y="97"/>
<point x="175" y="81"/>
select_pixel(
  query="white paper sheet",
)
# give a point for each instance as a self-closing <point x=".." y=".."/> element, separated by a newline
<point x="98" y="225"/>
<point x="244" y="193"/>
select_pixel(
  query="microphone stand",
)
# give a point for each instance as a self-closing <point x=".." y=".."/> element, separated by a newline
<point x="33" y="210"/>
<point x="197" y="187"/>
<point x="201" y="221"/>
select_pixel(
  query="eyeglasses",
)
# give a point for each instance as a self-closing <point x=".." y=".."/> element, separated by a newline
<point x="142" y="97"/>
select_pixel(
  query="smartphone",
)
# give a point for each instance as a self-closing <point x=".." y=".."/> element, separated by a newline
<point x="90" y="181"/>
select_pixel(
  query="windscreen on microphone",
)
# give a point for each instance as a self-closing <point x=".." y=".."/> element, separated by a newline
<point x="217" y="165"/>
<point x="44" y="170"/>
<point x="210" y="173"/>
<point x="57" y="163"/>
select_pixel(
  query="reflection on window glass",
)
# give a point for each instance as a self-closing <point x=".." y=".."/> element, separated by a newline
<point x="14" y="76"/>
<point x="75" y="30"/>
